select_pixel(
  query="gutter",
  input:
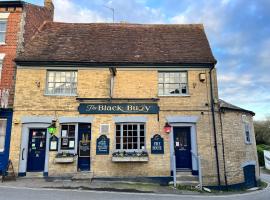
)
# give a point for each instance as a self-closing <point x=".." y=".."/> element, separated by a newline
<point x="214" y="124"/>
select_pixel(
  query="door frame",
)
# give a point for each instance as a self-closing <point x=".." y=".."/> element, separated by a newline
<point x="24" y="147"/>
<point x="194" y="145"/>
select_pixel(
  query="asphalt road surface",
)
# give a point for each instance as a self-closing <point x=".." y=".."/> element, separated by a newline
<point x="10" y="193"/>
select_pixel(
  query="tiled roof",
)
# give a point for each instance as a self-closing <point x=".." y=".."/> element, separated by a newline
<point x="225" y="105"/>
<point x="118" y="43"/>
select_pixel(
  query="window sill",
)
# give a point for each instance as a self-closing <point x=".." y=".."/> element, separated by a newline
<point x="248" y="143"/>
<point x="174" y="95"/>
<point x="130" y="159"/>
<point x="61" y="95"/>
<point x="2" y="44"/>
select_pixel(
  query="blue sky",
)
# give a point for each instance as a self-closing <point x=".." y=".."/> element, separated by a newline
<point x="238" y="31"/>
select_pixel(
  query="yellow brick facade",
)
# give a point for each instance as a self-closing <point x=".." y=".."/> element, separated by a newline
<point x="31" y="100"/>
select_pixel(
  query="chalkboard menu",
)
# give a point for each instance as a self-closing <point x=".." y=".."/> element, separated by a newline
<point x="103" y="145"/>
<point x="84" y="148"/>
<point x="157" y="145"/>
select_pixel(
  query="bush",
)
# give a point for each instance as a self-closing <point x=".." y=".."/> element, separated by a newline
<point x="260" y="149"/>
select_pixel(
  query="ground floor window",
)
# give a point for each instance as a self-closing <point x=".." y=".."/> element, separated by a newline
<point x="68" y="136"/>
<point x="130" y="136"/>
<point x="3" y="126"/>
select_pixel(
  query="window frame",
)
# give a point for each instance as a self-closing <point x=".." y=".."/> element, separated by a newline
<point x="1" y="68"/>
<point x="74" y="150"/>
<point x="4" y="32"/>
<point x="247" y="126"/>
<point x="174" y="95"/>
<point x="60" y="94"/>
<point x="5" y="134"/>
<point x="138" y="136"/>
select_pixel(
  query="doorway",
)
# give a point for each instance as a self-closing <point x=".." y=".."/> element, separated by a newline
<point x="182" y="147"/>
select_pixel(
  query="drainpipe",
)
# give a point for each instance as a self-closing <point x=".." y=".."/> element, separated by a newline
<point x="223" y="148"/>
<point x="214" y="124"/>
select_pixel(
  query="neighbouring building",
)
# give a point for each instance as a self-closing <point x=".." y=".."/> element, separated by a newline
<point x="19" y="21"/>
<point x="127" y="101"/>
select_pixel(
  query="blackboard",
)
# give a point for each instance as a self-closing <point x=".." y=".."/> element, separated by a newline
<point x="84" y="148"/>
<point x="103" y="145"/>
<point x="157" y="144"/>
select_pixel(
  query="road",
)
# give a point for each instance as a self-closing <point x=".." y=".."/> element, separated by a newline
<point x="9" y="193"/>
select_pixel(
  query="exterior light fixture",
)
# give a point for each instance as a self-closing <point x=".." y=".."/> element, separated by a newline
<point x="52" y="128"/>
<point x="167" y="128"/>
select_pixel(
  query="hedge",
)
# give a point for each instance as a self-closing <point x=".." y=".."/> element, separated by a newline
<point x="260" y="149"/>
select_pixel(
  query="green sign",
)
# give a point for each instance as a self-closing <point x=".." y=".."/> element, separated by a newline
<point x="123" y="108"/>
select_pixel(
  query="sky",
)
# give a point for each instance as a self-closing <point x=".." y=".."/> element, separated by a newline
<point x="238" y="32"/>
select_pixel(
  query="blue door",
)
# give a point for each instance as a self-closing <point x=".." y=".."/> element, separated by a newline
<point x="36" y="150"/>
<point x="84" y="147"/>
<point x="5" y="132"/>
<point x="182" y="146"/>
<point x="250" y="176"/>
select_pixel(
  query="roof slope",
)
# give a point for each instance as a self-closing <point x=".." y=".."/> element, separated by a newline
<point x="119" y="43"/>
<point x="225" y="105"/>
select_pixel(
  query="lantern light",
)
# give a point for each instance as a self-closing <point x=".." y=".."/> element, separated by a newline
<point x="167" y="128"/>
<point x="52" y="128"/>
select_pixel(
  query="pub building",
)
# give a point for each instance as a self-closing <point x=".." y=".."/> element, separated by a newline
<point x="128" y="101"/>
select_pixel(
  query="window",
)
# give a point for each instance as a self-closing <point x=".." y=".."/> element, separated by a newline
<point x="61" y="83"/>
<point x="3" y="28"/>
<point x="172" y="83"/>
<point x="68" y="137"/>
<point x="3" y="126"/>
<point x="247" y="132"/>
<point x="130" y="136"/>
<point x="1" y="66"/>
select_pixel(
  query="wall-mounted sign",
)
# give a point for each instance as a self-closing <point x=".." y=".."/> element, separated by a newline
<point x="54" y="143"/>
<point x="123" y="108"/>
<point x="103" y="145"/>
<point x="157" y="144"/>
<point x="84" y="148"/>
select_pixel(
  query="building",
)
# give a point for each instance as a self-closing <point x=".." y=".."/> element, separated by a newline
<point x="127" y="101"/>
<point x="18" y="23"/>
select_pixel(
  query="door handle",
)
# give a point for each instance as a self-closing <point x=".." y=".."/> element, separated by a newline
<point x="23" y="153"/>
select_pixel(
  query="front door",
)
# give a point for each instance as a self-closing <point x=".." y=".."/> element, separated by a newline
<point x="36" y="150"/>
<point x="84" y="142"/>
<point x="182" y="146"/>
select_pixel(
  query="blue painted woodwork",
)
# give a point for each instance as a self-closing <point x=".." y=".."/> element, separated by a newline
<point x="182" y="146"/>
<point x="84" y="138"/>
<point x="250" y="176"/>
<point x="4" y="156"/>
<point x="36" y="150"/>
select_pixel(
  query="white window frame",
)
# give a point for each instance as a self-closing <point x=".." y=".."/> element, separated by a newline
<point x="4" y="32"/>
<point x="72" y="151"/>
<point x="247" y="128"/>
<point x="60" y="94"/>
<point x="163" y="82"/>
<point x="138" y="136"/>
<point x="4" y="133"/>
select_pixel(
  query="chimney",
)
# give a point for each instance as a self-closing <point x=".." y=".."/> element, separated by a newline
<point x="49" y="5"/>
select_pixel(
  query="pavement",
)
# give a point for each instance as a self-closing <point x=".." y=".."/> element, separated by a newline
<point x="27" y="189"/>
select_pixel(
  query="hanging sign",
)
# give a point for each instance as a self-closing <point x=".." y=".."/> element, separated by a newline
<point x="54" y="143"/>
<point x="84" y="148"/>
<point x="103" y="145"/>
<point x="267" y="159"/>
<point x="157" y="144"/>
<point x="123" y="108"/>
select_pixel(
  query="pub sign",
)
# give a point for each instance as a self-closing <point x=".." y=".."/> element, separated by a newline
<point x="157" y="144"/>
<point x="103" y="145"/>
<point x="122" y="108"/>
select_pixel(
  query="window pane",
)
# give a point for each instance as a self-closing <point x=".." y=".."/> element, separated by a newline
<point x="68" y="137"/>
<point x="2" y="37"/>
<point x="3" y="125"/>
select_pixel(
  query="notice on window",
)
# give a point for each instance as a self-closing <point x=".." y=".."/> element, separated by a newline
<point x="71" y="144"/>
<point x="64" y="133"/>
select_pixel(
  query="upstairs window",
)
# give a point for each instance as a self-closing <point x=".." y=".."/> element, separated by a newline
<point x="3" y="29"/>
<point x="130" y="136"/>
<point x="61" y="83"/>
<point x="172" y="83"/>
<point x="247" y="129"/>
<point x="3" y="126"/>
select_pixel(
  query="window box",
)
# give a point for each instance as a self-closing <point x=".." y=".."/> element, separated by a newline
<point x="64" y="158"/>
<point x="130" y="156"/>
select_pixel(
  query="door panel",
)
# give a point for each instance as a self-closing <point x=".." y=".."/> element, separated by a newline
<point x="182" y="146"/>
<point x="250" y="176"/>
<point x="36" y="150"/>
<point x="84" y="148"/>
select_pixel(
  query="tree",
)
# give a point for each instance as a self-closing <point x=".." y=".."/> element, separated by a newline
<point x="262" y="131"/>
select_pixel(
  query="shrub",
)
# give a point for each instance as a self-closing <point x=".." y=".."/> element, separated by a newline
<point x="260" y="149"/>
